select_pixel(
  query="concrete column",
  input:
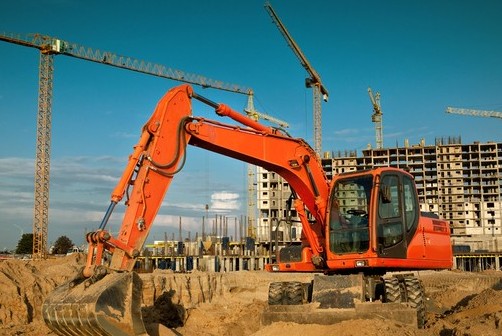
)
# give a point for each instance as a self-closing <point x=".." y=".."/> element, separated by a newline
<point x="178" y="264"/>
<point x="209" y="263"/>
<point x="261" y="264"/>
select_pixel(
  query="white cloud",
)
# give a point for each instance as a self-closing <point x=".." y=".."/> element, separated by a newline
<point x="347" y="131"/>
<point x="125" y="135"/>
<point x="224" y="201"/>
<point x="185" y="205"/>
<point x="80" y="190"/>
<point x="16" y="167"/>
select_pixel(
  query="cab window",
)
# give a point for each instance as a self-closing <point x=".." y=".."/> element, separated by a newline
<point x="390" y="228"/>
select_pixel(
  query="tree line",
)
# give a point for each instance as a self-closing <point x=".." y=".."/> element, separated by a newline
<point x="25" y="245"/>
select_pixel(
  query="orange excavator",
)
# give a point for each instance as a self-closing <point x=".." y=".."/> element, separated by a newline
<point x="355" y="228"/>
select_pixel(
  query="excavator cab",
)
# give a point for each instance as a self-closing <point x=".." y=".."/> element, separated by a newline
<point x="374" y="213"/>
<point x="375" y="225"/>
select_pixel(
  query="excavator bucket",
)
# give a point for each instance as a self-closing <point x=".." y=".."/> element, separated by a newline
<point x="110" y="306"/>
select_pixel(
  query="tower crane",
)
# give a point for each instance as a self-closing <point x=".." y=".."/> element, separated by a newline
<point x="477" y="113"/>
<point x="50" y="46"/>
<point x="313" y="81"/>
<point x="255" y="115"/>
<point x="376" y="117"/>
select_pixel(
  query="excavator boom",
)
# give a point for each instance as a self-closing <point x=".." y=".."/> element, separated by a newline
<point x="106" y="283"/>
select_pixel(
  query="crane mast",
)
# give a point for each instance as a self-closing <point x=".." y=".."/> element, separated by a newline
<point x="50" y="46"/>
<point x="42" y="155"/>
<point x="476" y="113"/>
<point x="376" y="117"/>
<point x="314" y="80"/>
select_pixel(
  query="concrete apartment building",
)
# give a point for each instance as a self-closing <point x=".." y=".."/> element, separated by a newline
<point x="461" y="183"/>
<point x="272" y="195"/>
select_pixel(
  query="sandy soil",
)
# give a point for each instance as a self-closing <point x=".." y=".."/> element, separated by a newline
<point x="231" y="303"/>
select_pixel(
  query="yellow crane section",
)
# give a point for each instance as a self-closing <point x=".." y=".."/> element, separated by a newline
<point x="376" y="117"/>
<point x="254" y="114"/>
<point x="476" y="113"/>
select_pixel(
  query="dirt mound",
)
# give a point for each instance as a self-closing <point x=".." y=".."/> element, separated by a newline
<point x="475" y="314"/>
<point x="25" y="284"/>
<point x="230" y="304"/>
<point x="464" y="303"/>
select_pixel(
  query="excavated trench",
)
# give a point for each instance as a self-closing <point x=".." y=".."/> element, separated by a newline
<point x="205" y="303"/>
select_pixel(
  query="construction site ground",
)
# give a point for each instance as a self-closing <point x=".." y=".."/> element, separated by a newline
<point x="201" y="303"/>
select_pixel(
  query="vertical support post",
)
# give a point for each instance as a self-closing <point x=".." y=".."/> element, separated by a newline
<point x="42" y="158"/>
<point x="251" y="206"/>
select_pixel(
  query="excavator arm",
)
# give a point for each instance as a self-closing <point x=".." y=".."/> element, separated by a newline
<point x="155" y="160"/>
<point x="160" y="154"/>
<point x="157" y="157"/>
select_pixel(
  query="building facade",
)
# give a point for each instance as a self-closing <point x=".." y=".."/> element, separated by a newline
<point x="275" y="218"/>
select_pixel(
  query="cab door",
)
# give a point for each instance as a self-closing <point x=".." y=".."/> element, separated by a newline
<point x="397" y="214"/>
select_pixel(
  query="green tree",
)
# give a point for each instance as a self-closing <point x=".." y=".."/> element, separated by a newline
<point x="25" y="244"/>
<point x="62" y="245"/>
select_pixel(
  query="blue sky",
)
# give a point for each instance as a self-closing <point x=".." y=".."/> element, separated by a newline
<point x="422" y="56"/>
